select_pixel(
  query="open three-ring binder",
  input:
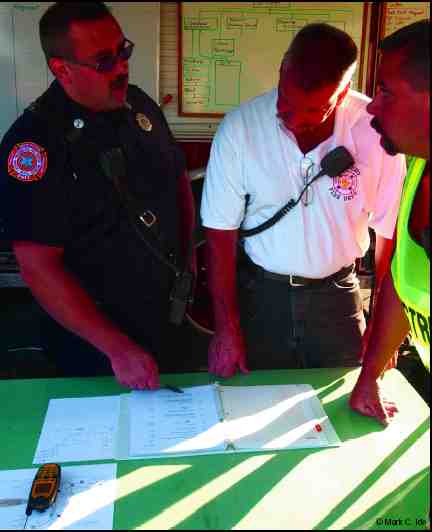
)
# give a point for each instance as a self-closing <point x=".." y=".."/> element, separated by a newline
<point x="204" y="419"/>
<point x="219" y="419"/>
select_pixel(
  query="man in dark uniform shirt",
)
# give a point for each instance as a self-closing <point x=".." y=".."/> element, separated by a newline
<point x="71" y="231"/>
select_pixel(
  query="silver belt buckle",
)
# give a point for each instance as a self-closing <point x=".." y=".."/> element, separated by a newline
<point x="147" y="218"/>
<point x="292" y="283"/>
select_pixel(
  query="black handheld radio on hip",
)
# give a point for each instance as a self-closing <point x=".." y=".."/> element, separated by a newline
<point x="181" y="296"/>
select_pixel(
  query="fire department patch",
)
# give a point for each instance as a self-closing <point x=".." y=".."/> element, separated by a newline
<point x="346" y="185"/>
<point x="27" y="162"/>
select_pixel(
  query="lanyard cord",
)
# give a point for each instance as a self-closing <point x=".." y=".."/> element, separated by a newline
<point x="243" y="233"/>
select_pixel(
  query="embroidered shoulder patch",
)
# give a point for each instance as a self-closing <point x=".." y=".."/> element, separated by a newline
<point x="27" y="162"/>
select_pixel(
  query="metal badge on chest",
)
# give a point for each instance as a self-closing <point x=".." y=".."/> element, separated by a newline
<point x="143" y="122"/>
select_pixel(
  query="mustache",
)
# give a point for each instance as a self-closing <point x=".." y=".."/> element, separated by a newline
<point x="120" y="82"/>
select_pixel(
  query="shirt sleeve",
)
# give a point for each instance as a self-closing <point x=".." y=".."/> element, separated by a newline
<point x="388" y="196"/>
<point x="223" y="197"/>
<point x="32" y="196"/>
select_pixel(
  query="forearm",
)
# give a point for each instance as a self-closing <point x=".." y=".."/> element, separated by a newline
<point x="383" y="253"/>
<point x="390" y="328"/>
<point x="61" y="295"/>
<point x="222" y="277"/>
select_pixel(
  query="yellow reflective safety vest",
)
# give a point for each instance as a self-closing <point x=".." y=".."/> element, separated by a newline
<point x="411" y="267"/>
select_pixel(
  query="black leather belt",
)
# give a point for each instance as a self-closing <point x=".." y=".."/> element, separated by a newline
<point x="298" y="280"/>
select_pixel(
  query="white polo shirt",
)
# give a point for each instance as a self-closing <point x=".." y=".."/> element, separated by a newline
<point x="253" y="153"/>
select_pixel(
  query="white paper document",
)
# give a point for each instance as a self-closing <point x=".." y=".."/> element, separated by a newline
<point x="79" y="429"/>
<point x="85" y="500"/>
<point x="168" y="422"/>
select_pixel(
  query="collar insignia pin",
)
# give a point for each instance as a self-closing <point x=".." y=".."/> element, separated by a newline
<point x="144" y="122"/>
<point x="78" y="123"/>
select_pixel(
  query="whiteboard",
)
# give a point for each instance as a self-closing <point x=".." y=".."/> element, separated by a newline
<point x="24" y="73"/>
<point x="231" y="52"/>
<point x="400" y="14"/>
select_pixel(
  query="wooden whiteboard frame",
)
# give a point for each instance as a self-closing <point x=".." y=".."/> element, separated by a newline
<point x="379" y="19"/>
<point x="368" y="7"/>
<point x="374" y="39"/>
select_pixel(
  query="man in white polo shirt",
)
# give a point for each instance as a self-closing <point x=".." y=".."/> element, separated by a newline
<point x="299" y="302"/>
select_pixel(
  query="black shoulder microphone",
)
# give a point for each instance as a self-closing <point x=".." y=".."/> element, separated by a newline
<point x="336" y="162"/>
<point x="332" y="164"/>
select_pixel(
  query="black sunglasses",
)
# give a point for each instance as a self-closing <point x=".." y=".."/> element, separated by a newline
<point x="107" y="64"/>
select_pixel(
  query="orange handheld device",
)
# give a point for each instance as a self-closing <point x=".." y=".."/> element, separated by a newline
<point x="44" y="488"/>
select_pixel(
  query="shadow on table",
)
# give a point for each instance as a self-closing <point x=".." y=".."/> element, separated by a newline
<point x="210" y="498"/>
<point x="390" y="500"/>
<point x="390" y="509"/>
<point x="211" y="494"/>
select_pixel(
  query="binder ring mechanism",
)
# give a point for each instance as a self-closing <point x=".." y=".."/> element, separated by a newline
<point x="147" y="218"/>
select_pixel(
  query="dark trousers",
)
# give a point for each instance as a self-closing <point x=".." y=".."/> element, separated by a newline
<point x="301" y="327"/>
<point x="176" y="349"/>
<point x="73" y="356"/>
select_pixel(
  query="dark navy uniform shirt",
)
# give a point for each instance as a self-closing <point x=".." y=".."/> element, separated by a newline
<point x="58" y="195"/>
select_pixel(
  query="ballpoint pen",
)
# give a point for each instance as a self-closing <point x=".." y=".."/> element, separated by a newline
<point x="173" y="388"/>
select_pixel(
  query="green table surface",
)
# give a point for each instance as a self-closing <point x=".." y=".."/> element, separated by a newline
<point x="377" y="479"/>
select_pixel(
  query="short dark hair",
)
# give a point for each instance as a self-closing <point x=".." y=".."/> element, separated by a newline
<point x="413" y="42"/>
<point x="55" y="23"/>
<point x="319" y="55"/>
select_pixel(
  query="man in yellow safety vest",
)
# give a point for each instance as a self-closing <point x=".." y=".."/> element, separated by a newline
<point x="401" y="110"/>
